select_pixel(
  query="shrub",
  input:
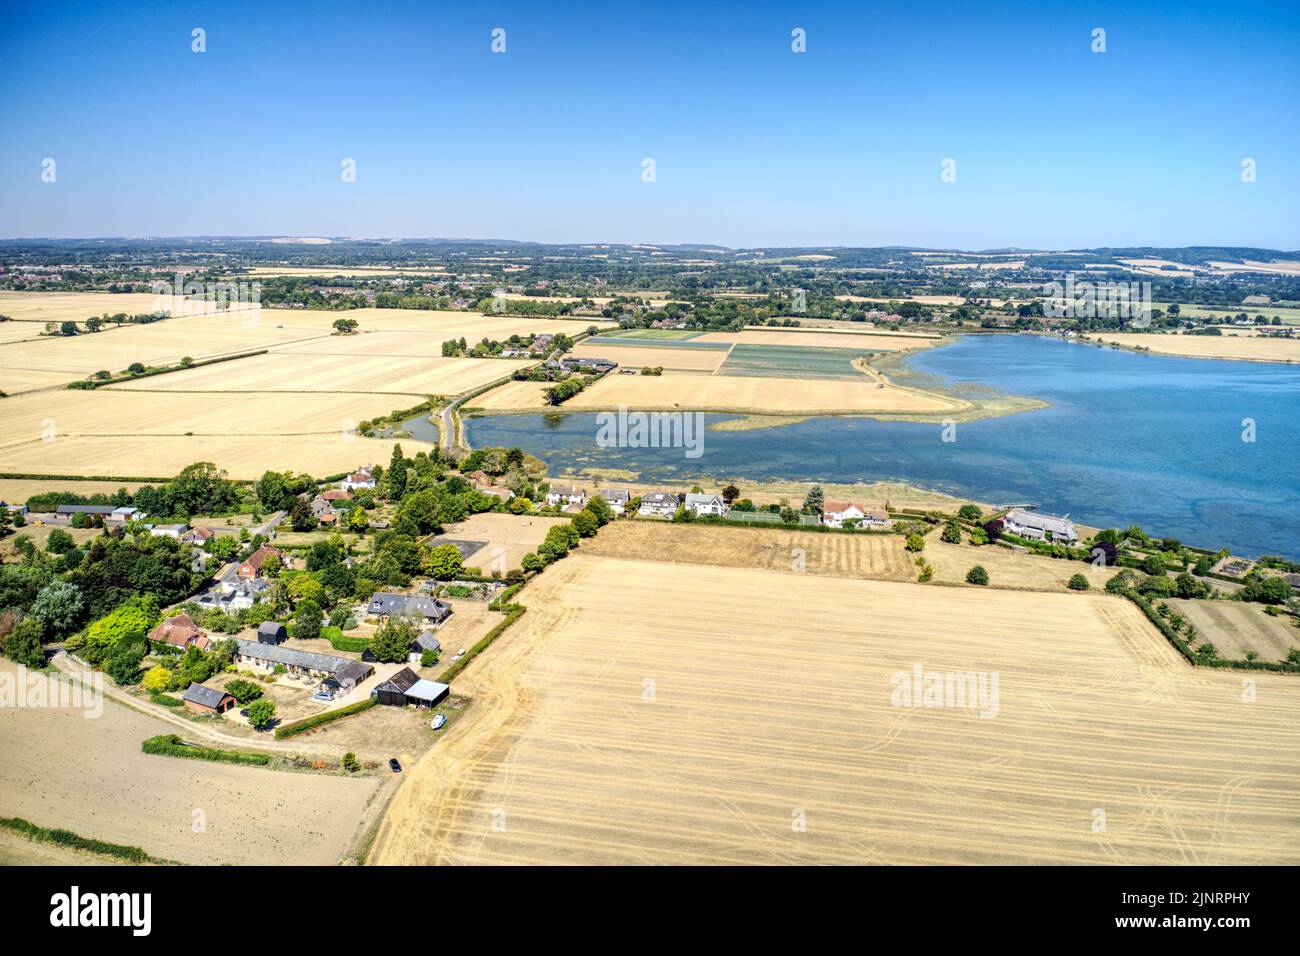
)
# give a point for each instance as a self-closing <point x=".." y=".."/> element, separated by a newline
<point x="951" y="533"/>
<point x="244" y="691"/>
<point x="307" y="723"/>
<point x="915" y="542"/>
<point x="350" y="762"/>
<point x="977" y="575"/>
<point x="1079" y="583"/>
<point x="260" y="713"/>
<point x="171" y="745"/>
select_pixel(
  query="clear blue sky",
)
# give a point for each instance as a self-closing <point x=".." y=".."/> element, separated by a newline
<point x="1056" y="146"/>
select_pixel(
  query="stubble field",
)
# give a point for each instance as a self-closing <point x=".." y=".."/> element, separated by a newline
<point x="1252" y="348"/>
<point x="668" y="714"/>
<point x="90" y="776"/>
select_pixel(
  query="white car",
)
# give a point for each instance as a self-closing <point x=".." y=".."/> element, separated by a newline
<point x="437" y="722"/>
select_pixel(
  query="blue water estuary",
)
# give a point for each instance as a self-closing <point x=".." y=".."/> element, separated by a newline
<point x="1127" y="438"/>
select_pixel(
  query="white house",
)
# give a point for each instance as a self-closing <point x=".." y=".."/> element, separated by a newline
<point x="616" y="498"/>
<point x="168" y="530"/>
<point x="704" y="505"/>
<point x="658" y="504"/>
<point x="1028" y="524"/>
<point x="565" y="495"/>
<point x="358" y="479"/>
<point x="836" y="513"/>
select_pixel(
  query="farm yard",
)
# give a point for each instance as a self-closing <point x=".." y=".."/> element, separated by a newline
<point x="90" y="776"/>
<point x="614" y="726"/>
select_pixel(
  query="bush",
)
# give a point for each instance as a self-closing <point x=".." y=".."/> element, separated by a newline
<point x="951" y="533"/>
<point x="260" y="713"/>
<point x="244" y="691"/>
<point x="1079" y="583"/>
<point x="977" y="575"/>
<point x="915" y="542"/>
<point x="171" y="745"/>
<point x="350" y="762"/>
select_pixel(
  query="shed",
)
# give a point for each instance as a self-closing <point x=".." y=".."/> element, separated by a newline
<point x="426" y="693"/>
<point x="392" y="692"/>
<point x="269" y="632"/>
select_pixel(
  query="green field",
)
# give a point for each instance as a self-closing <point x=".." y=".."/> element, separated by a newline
<point x="676" y="335"/>
<point x="626" y="338"/>
<point x="792" y="361"/>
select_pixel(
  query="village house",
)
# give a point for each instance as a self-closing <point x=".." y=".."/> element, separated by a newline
<point x="389" y="604"/>
<point x="233" y="594"/>
<point x="251" y="567"/>
<point x="207" y="700"/>
<point x="180" y="631"/>
<point x="505" y="494"/>
<point x="658" y="504"/>
<point x="836" y="513"/>
<point x="168" y="531"/>
<point x="1039" y="527"/>
<point x="616" y="498"/>
<point x="562" y="496"/>
<point x="360" y="478"/>
<point x="336" y="494"/>
<point x="427" y="641"/>
<point x="197" y="536"/>
<point x="704" y="505"/>
<point x="347" y="672"/>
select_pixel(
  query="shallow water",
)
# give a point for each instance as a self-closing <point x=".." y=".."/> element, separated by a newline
<point x="1128" y="438"/>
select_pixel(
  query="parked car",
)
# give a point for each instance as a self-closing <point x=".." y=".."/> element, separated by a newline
<point x="394" y="765"/>
<point x="437" y="722"/>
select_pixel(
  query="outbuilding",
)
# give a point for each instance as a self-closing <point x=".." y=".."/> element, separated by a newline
<point x="270" y="632"/>
<point x="207" y="700"/>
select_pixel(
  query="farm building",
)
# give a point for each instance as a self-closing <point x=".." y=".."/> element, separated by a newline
<point x="207" y="700"/>
<point x="1028" y="524"/>
<point x="406" y="687"/>
<point x="269" y="632"/>
<point x="347" y="672"/>
<point x="386" y="604"/>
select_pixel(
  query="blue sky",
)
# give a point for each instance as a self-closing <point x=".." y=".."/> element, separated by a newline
<point x="1055" y="146"/>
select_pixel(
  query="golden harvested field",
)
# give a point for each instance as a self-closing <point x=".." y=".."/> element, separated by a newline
<point x="158" y="343"/>
<point x="512" y="395"/>
<point x="1006" y="568"/>
<point x="297" y="372"/>
<point x="79" y="306"/>
<point x="132" y="433"/>
<point x="1242" y="348"/>
<point x="670" y="714"/>
<point x="20" y="489"/>
<point x="632" y="356"/>
<point x="777" y="395"/>
<point x="865" y="341"/>
<point x="89" y="775"/>
<point x="506" y="538"/>
<point x="446" y="325"/>
<point x="773" y="549"/>
<point x="15" y="381"/>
